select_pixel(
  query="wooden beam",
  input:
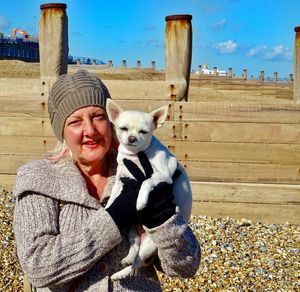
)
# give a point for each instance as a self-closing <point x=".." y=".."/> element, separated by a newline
<point x="266" y="213"/>
<point x="246" y="193"/>
<point x="242" y="172"/>
<point x="241" y="132"/>
<point x="235" y="152"/>
<point x="243" y="112"/>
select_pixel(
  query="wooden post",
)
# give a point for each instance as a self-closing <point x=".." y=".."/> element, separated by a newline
<point x="230" y="72"/>
<point x="297" y="66"/>
<point x="153" y="65"/>
<point x="53" y="40"/>
<point x="178" y="52"/>
<point x="245" y="74"/>
<point x="199" y="69"/>
<point x="215" y="71"/>
<point x="262" y="76"/>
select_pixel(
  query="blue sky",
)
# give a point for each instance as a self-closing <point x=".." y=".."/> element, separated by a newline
<point x="242" y="34"/>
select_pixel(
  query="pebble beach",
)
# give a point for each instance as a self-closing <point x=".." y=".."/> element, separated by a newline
<point x="237" y="255"/>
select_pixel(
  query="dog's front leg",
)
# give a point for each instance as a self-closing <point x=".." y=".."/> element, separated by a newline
<point x="135" y="242"/>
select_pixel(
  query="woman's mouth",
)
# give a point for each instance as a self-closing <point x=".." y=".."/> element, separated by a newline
<point x="92" y="143"/>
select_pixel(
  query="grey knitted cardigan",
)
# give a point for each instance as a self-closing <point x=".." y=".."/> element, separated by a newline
<point x="66" y="241"/>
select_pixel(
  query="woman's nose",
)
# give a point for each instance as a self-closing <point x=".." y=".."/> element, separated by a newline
<point x="89" y="128"/>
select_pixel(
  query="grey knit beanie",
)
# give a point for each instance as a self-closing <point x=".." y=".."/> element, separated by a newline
<point x="72" y="92"/>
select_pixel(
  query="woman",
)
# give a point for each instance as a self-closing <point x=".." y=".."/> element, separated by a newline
<point x="66" y="239"/>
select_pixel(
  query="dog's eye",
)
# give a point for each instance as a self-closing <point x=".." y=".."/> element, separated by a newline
<point x="143" y="132"/>
<point x="123" y="129"/>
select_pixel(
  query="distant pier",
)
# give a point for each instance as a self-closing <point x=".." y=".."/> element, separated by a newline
<point x="24" y="49"/>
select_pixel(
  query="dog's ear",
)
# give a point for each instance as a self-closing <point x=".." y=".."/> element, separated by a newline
<point x="113" y="110"/>
<point x="159" y="116"/>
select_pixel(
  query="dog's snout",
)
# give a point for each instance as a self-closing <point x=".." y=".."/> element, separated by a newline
<point x="131" y="139"/>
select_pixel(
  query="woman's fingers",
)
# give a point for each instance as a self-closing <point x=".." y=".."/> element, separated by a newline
<point x="134" y="170"/>
<point x="145" y="164"/>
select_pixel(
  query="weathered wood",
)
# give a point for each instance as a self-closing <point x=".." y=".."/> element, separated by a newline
<point x="10" y="163"/>
<point x="7" y="181"/>
<point x="237" y="112"/>
<point x="23" y="107"/>
<point x="19" y="126"/>
<point x="24" y="145"/>
<point x="242" y="172"/>
<point x="246" y="193"/>
<point x="236" y="152"/>
<point x="266" y="213"/>
<point x="240" y="132"/>
<point x="20" y="87"/>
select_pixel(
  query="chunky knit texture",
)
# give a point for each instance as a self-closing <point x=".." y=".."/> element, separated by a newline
<point x="72" y="92"/>
<point x="77" y="246"/>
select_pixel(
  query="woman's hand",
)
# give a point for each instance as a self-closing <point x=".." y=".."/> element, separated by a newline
<point x="123" y="209"/>
<point x="160" y="206"/>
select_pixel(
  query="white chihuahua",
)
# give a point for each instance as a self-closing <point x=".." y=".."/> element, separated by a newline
<point x="134" y="131"/>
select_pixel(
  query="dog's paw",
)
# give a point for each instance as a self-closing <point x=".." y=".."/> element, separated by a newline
<point x="141" y="203"/>
<point x="127" y="261"/>
<point x="122" y="274"/>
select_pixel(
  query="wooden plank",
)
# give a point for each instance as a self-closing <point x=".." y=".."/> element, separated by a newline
<point x="119" y="89"/>
<point x="13" y="127"/>
<point x="235" y="152"/>
<point x="241" y="132"/>
<point x="242" y="172"/>
<point x="237" y="112"/>
<point x="206" y="172"/>
<point x="266" y="213"/>
<point x="7" y="181"/>
<point x="10" y="163"/>
<point x="245" y="193"/>
<point x="23" y="87"/>
<point x="38" y="107"/>
<point x="24" y="145"/>
<point x="141" y="89"/>
<point x="19" y="126"/>
<point x="29" y="107"/>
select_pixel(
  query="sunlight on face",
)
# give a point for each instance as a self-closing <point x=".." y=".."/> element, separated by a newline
<point x="87" y="132"/>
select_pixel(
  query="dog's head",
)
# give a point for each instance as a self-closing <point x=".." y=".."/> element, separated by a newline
<point x="134" y="128"/>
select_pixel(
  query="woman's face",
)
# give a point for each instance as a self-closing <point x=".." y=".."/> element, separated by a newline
<point x="87" y="132"/>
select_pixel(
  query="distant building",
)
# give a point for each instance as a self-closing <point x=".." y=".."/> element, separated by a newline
<point x="205" y="71"/>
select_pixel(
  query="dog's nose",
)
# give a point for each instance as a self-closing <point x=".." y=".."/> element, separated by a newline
<point x="132" y="139"/>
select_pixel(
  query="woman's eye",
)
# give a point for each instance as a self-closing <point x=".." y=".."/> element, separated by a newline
<point x="123" y="129"/>
<point x="73" y="122"/>
<point x="100" y="117"/>
<point x="143" y="132"/>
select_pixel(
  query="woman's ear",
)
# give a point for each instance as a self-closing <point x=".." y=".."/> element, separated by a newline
<point x="113" y="110"/>
<point x="159" y="116"/>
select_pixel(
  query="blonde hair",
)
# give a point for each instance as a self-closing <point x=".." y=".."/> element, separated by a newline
<point x="60" y="152"/>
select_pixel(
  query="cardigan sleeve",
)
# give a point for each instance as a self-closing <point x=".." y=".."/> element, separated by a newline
<point x="179" y="251"/>
<point x="52" y="259"/>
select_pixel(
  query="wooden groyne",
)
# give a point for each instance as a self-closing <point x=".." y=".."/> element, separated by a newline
<point x="242" y="154"/>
